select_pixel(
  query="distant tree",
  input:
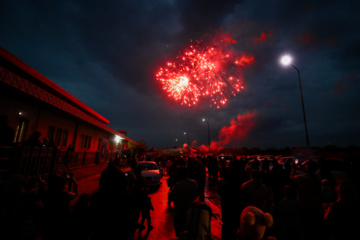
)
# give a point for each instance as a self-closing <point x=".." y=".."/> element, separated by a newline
<point x="138" y="148"/>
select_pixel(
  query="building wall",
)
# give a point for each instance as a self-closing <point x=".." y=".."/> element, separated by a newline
<point x="58" y="121"/>
<point x="27" y="96"/>
<point x="12" y="107"/>
<point x="95" y="135"/>
<point x="39" y="119"/>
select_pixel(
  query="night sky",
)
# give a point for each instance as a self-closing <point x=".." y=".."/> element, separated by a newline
<point x="106" y="53"/>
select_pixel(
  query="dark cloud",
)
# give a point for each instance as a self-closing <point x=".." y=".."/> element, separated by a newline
<point x="346" y="81"/>
<point x="202" y="16"/>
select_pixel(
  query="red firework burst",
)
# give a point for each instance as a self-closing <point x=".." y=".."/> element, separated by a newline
<point x="204" y="69"/>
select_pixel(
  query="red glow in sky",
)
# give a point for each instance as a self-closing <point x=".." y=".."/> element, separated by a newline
<point x="209" y="68"/>
<point x="262" y="37"/>
<point x="239" y="128"/>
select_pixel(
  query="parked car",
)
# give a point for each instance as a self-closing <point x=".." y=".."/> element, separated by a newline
<point x="151" y="172"/>
<point x="284" y="160"/>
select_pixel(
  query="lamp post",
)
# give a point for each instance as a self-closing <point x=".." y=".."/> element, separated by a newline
<point x="286" y="61"/>
<point x="187" y="137"/>
<point x="208" y="132"/>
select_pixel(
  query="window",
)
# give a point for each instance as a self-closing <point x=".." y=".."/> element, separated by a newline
<point x="58" y="137"/>
<point x="85" y="142"/>
<point x="99" y="144"/>
<point x="88" y="141"/>
<point x="64" y="138"/>
<point x="82" y="141"/>
<point x="20" y="131"/>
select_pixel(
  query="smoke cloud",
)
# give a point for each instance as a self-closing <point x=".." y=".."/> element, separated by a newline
<point x="239" y="128"/>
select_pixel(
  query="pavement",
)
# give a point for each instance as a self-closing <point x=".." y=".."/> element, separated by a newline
<point x="161" y="217"/>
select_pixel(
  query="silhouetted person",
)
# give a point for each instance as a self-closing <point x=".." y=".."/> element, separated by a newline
<point x="168" y="164"/>
<point x="278" y="180"/>
<point x="20" y="211"/>
<point x="222" y="166"/>
<point x="7" y="134"/>
<point x="112" y="207"/>
<point x="229" y="191"/>
<point x="56" y="201"/>
<point x="256" y="193"/>
<point x="255" y="164"/>
<point x="34" y="140"/>
<point x="146" y="207"/>
<point x="309" y="195"/>
<point x="198" y="222"/>
<point x="247" y="173"/>
<point x="197" y="172"/>
<point x="80" y="219"/>
<point x="213" y="168"/>
<point x="139" y="187"/>
<point x="173" y="171"/>
<point x="184" y="192"/>
<point x="11" y="201"/>
<point x="342" y="217"/>
<point x="140" y="184"/>
<point x="265" y="165"/>
<point x="288" y="216"/>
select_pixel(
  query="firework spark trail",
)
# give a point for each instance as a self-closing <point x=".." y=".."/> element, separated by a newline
<point x="205" y="70"/>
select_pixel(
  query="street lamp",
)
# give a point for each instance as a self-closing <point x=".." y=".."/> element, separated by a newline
<point x="208" y="132"/>
<point x="286" y="61"/>
<point x="187" y="137"/>
<point x="117" y="140"/>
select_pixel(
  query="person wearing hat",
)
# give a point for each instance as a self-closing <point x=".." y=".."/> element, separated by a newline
<point x="253" y="223"/>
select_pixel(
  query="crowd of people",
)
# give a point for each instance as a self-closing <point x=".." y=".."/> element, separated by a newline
<point x="257" y="202"/>
<point x="295" y="201"/>
<point x="31" y="209"/>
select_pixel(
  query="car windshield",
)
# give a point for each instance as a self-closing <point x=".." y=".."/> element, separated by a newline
<point x="148" y="166"/>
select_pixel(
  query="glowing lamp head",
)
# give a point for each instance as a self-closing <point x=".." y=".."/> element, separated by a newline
<point x="203" y="119"/>
<point x="117" y="138"/>
<point x="286" y="60"/>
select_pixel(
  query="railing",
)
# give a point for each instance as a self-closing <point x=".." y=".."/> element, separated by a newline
<point x="6" y="154"/>
<point x="42" y="161"/>
<point x="35" y="161"/>
<point x="82" y="159"/>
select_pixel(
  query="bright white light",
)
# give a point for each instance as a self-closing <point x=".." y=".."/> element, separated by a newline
<point x="117" y="138"/>
<point x="286" y="60"/>
<point x="203" y="119"/>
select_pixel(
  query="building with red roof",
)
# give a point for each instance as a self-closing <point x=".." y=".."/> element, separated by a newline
<point x="33" y="103"/>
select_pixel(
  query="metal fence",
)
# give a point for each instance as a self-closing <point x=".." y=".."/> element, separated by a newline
<point x="35" y="161"/>
<point x="42" y="161"/>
